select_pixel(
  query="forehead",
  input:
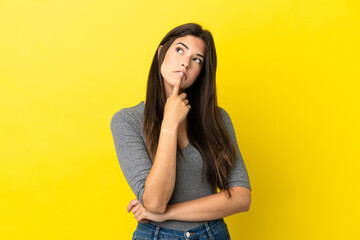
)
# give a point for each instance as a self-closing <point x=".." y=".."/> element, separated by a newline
<point x="194" y="44"/>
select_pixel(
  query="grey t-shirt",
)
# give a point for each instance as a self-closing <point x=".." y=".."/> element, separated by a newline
<point x="126" y="127"/>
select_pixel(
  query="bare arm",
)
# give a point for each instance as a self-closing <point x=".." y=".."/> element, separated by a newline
<point x="160" y="182"/>
<point x="211" y="207"/>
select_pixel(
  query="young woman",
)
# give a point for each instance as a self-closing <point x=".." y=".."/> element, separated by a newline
<point x="177" y="148"/>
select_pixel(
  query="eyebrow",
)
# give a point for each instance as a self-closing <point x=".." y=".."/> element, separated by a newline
<point x="188" y="48"/>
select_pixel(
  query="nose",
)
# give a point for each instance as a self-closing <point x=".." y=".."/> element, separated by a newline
<point x="186" y="63"/>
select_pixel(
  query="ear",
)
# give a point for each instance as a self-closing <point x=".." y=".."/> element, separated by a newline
<point x="159" y="49"/>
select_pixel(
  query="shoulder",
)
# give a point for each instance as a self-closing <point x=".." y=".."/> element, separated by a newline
<point x="224" y="115"/>
<point x="222" y="111"/>
<point x="129" y="115"/>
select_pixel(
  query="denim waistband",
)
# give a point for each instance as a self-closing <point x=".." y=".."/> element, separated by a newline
<point x="205" y="229"/>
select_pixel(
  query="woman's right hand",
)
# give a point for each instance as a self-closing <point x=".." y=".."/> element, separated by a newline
<point x="143" y="215"/>
<point x="176" y="107"/>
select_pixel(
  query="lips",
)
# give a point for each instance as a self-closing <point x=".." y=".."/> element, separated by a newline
<point x="182" y="72"/>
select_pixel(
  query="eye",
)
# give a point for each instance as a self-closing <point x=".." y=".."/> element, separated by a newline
<point x="198" y="60"/>
<point x="177" y="49"/>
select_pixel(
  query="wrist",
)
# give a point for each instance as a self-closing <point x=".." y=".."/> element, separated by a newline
<point x="170" y="127"/>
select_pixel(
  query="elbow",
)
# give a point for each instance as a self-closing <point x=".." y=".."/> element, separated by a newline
<point x="242" y="196"/>
<point x="154" y="206"/>
<point x="245" y="203"/>
<point x="245" y="207"/>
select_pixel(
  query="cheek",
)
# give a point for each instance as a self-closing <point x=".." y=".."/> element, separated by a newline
<point x="167" y="64"/>
<point x="195" y="75"/>
<point x="197" y="72"/>
<point x="171" y="61"/>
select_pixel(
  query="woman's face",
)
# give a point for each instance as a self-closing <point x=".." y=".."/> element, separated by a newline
<point x="186" y="54"/>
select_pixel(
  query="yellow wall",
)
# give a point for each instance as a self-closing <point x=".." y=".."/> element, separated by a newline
<point x="287" y="74"/>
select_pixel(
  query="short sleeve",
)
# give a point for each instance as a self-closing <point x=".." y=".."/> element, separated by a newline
<point x="239" y="175"/>
<point x="131" y="152"/>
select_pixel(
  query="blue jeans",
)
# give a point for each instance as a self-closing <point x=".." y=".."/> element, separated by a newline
<point x="216" y="229"/>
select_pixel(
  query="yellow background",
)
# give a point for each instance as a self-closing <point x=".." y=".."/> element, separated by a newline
<point x="287" y="75"/>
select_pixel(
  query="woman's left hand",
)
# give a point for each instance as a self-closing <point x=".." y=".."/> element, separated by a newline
<point x="142" y="215"/>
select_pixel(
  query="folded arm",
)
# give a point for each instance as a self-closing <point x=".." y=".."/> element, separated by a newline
<point x="207" y="208"/>
<point x="211" y="207"/>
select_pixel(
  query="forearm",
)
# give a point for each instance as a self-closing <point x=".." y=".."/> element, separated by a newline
<point x="160" y="182"/>
<point x="210" y="207"/>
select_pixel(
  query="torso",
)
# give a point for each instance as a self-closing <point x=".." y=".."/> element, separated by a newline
<point x="190" y="183"/>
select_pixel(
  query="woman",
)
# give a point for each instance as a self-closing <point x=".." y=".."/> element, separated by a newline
<point x="178" y="147"/>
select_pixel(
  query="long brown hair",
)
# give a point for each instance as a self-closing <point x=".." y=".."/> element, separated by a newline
<point x="205" y="127"/>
